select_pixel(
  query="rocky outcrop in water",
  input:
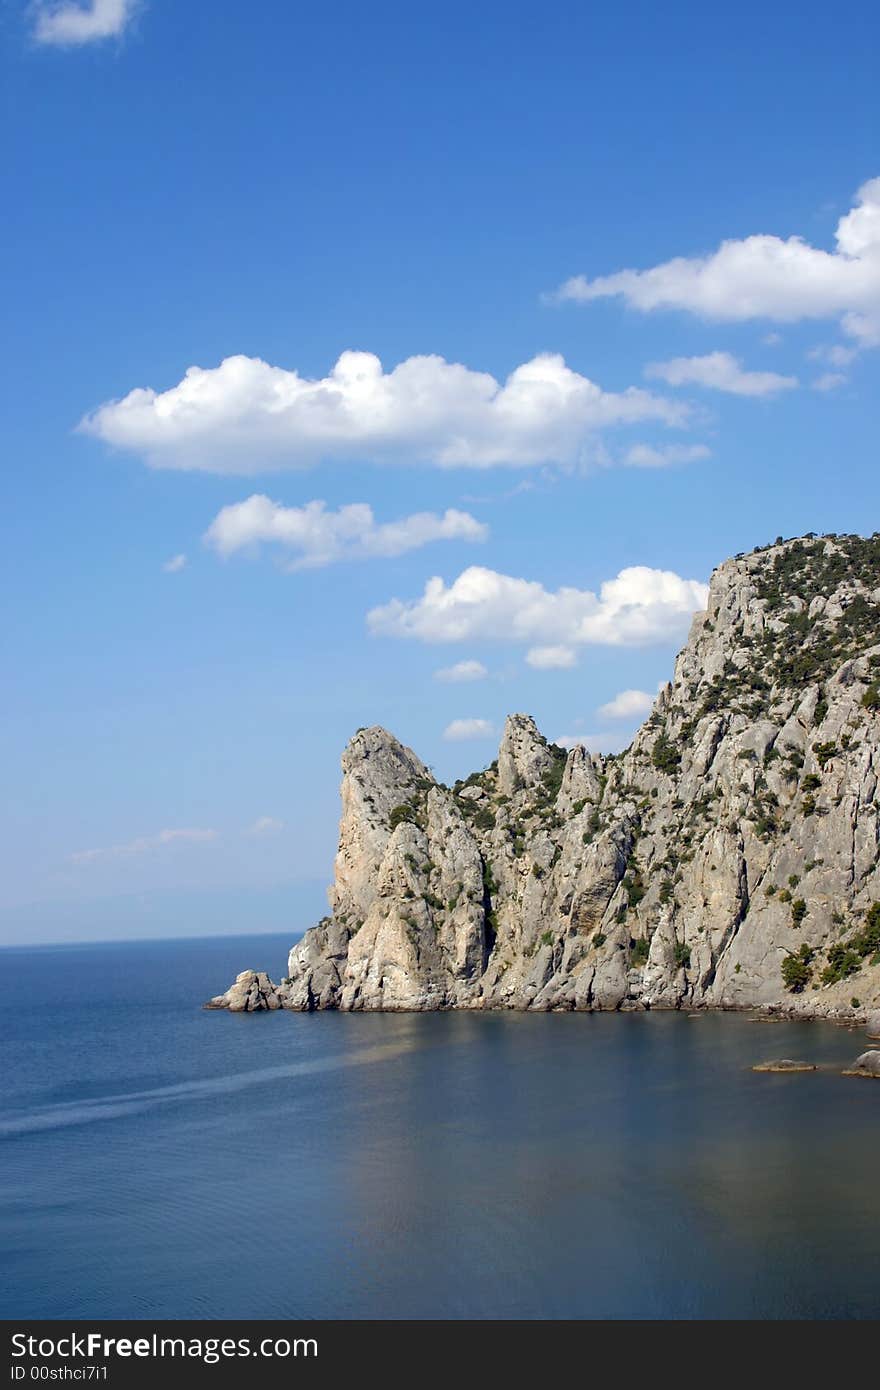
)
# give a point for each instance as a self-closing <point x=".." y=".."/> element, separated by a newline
<point x="729" y="858"/>
<point x="784" y="1065"/>
<point x="866" y="1065"/>
<point x="252" y="992"/>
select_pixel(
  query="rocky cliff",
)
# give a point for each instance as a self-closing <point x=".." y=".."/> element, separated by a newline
<point x="728" y="858"/>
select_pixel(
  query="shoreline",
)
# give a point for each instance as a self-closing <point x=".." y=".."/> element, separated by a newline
<point x="756" y="1013"/>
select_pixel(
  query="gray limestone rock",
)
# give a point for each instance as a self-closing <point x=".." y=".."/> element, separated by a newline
<point x="868" y="1064"/>
<point x="252" y="992"/>
<point x="728" y="858"/>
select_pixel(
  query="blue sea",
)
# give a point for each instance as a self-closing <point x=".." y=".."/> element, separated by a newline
<point x="160" y="1161"/>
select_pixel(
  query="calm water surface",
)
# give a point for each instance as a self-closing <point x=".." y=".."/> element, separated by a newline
<point x="162" y="1161"/>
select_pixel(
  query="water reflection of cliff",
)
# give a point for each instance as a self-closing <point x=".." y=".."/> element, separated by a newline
<point x="602" y="1166"/>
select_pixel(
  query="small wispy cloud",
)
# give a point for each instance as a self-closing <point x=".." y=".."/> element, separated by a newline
<point x="461" y="729"/>
<point x="719" y="371"/>
<point x="69" y="25"/>
<point x="560" y="658"/>
<point x="835" y="354"/>
<point x="462" y="671"/>
<point x="664" y="456"/>
<point x="829" y="381"/>
<point x="175" y="564"/>
<point x="595" y="743"/>
<point x="144" y="844"/>
<point x="524" y="485"/>
<point x="265" y="825"/>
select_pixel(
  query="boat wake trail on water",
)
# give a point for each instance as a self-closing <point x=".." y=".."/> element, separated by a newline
<point x="84" y="1112"/>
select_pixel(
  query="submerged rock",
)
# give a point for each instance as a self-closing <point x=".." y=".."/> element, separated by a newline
<point x="784" y="1064"/>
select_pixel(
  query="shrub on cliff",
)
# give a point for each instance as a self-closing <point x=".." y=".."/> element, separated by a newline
<point x="871" y="697"/>
<point x="842" y="961"/>
<point x="796" y="972"/>
<point x="867" y="941"/>
<point x="639" y="950"/>
<point x="665" y="755"/>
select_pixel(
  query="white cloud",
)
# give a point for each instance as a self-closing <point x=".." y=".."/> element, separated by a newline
<point x="664" y="456"/>
<point x="772" y="339"/>
<point x="546" y="475"/>
<point x="595" y="743"/>
<point x="319" y="537"/>
<point x="552" y="658"/>
<point x="144" y="844"/>
<point x="462" y="671"/>
<point x="461" y="729"/>
<point x="829" y="381"/>
<point x="265" y="825"/>
<point x="68" y="24"/>
<point x="766" y="277"/>
<point x="636" y="608"/>
<point x="719" y="371"/>
<point x="628" y="704"/>
<point x="246" y="416"/>
<point x="836" y="354"/>
<point x="175" y="564"/>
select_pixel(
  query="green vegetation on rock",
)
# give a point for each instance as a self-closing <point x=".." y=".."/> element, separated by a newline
<point x="796" y="971"/>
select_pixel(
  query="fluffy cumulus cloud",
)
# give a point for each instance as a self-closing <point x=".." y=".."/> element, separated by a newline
<point x="144" y="845"/>
<point x="628" y="704"/>
<point x="638" y="607"/>
<point x="313" y="536"/>
<point x="246" y="416"/>
<point x="462" y="729"/>
<point x="766" y="277"/>
<point x="559" y="658"/>
<point x="719" y="371"/>
<point x="69" y="24"/>
<point x="462" y="671"/>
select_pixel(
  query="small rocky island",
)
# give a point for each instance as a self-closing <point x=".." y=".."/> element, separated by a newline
<point x="727" y="859"/>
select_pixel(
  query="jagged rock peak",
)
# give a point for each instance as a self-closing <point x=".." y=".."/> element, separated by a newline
<point x="383" y="783"/>
<point x="379" y="774"/>
<point x="524" y="757"/>
<point x="377" y="747"/>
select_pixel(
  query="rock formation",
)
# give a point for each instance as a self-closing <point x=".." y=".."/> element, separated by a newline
<point x="252" y="991"/>
<point x="729" y="858"/>
<point x="866" y="1065"/>
<point x="784" y="1065"/>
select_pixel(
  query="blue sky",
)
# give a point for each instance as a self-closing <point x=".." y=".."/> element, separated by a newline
<point x="457" y="196"/>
